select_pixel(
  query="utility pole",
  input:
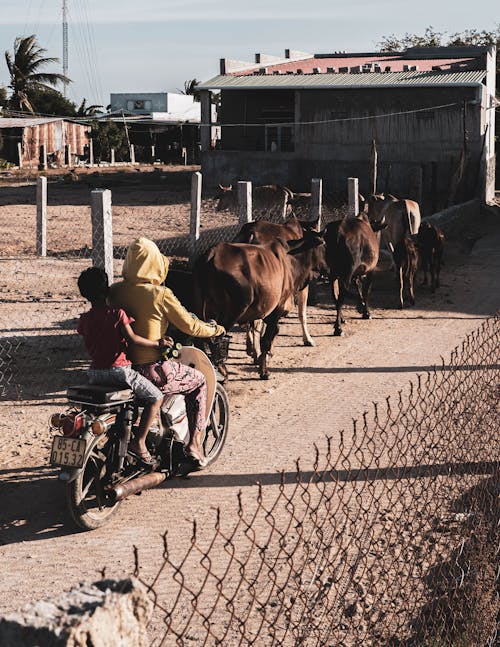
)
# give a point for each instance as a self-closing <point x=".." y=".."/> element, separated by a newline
<point x="65" y="41"/>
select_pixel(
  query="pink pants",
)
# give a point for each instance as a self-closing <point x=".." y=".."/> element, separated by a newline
<point x="173" y="378"/>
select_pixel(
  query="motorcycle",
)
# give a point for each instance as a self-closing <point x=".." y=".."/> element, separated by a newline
<point x="91" y="447"/>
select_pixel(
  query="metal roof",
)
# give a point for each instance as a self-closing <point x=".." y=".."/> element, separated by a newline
<point x="332" y="81"/>
<point x="24" y="122"/>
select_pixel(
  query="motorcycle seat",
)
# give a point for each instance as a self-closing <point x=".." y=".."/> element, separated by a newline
<point x="99" y="394"/>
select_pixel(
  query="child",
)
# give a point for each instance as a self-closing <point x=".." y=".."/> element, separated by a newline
<point x="107" y="333"/>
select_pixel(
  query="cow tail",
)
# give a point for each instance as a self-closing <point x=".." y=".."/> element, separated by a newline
<point x="406" y="216"/>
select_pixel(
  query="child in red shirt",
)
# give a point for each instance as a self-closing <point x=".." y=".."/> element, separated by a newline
<point x="107" y="333"/>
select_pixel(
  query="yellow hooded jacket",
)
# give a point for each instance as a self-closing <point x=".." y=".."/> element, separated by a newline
<point x="152" y="305"/>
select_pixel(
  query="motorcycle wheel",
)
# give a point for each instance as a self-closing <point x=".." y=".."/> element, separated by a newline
<point x="217" y="426"/>
<point x="88" y="506"/>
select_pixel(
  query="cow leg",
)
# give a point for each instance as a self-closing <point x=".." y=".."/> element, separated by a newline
<point x="412" y="287"/>
<point x="272" y="329"/>
<point x="363" y="286"/>
<point x="433" y="274"/>
<point x="438" y="270"/>
<point x="335" y="287"/>
<point x="401" y="287"/>
<point x="339" y="302"/>
<point x="302" y="308"/>
<point x="424" y="270"/>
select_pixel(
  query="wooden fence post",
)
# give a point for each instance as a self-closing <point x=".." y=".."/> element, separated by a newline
<point x="316" y="200"/>
<point x="20" y="154"/>
<point x="353" y="196"/>
<point x="102" y="231"/>
<point x="244" y="202"/>
<point x="43" y="158"/>
<point x="194" y="222"/>
<point x="41" y="216"/>
<point x="91" y="152"/>
<point x="373" y="164"/>
<point x="112" y="157"/>
<point x="132" y="154"/>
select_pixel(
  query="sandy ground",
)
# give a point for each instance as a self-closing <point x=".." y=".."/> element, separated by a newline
<point x="312" y="392"/>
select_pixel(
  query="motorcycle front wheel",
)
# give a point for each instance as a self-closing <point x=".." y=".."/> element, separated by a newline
<point x="217" y="426"/>
<point x="88" y="505"/>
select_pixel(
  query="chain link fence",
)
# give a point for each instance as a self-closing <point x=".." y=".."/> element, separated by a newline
<point x="392" y="538"/>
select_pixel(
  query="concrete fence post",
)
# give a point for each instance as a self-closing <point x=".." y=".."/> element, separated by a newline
<point x="112" y="157"/>
<point x="316" y="199"/>
<point x="244" y="202"/>
<point x="67" y="155"/>
<point x="20" y="154"/>
<point x="41" y="216"/>
<point x="353" y="196"/>
<point x="153" y="154"/>
<point x="91" y="152"/>
<point x="132" y="154"/>
<point x="43" y="158"/>
<point x="194" y="222"/>
<point x="102" y="231"/>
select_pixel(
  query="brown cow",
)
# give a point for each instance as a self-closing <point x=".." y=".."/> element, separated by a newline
<point x="406" y="259"/>
<point x="262" y="232"/>
<point x="430" y="243"/>
<point x="269" y="200"/>
<point x="352" y="250"/>
<point x="240" y="283"/>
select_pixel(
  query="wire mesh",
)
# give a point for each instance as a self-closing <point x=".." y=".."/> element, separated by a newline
<point x="391" y="539"/>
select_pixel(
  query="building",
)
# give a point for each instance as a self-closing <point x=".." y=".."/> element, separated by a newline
<point x="165" y="125"/>
<point x="38" y="141"/>
<point x="430" y="112"/>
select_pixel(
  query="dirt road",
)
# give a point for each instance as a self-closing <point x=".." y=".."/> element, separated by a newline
<point x="312" y="392"/>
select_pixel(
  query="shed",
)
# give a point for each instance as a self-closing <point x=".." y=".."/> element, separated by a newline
<point x="39" y="141"/>
<point x="429" y="111"/>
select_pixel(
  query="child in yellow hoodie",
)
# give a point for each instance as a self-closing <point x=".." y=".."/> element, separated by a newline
<point x="153" y="306"/>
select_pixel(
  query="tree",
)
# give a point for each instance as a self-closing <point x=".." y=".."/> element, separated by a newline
<point x="107" y="135"/>
<point x="51" y="103"/>
<point x="190" y="87"/>
<point x="88" y="111"/>
<point x="25" y="65"/>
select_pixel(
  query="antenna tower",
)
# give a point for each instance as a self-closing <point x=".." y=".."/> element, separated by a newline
<point x="65" y="41"/>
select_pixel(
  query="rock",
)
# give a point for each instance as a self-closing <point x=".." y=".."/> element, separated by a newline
<point x="108" y="613"/>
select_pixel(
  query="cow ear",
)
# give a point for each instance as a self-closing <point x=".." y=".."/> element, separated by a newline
<point x="310" y="241"/>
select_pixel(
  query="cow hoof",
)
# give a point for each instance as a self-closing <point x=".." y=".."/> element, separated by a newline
<point x="400" y="306"/>
<point x="366" y="315"/>
<point x="264" y="376"/>
<point x="309" y="342"/>
<point x="337" y="332"/>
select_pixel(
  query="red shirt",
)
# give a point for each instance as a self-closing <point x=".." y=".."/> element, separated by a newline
<point x="103" y="338"/>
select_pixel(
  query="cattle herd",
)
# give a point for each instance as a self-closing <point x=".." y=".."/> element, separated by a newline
<point x="256" y="279"/>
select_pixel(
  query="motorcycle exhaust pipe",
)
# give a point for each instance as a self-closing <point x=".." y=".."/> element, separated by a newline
<point x="138" y="484"/>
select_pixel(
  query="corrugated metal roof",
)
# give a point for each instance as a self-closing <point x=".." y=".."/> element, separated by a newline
<point x="329" y="81"/>
<point x="24" y="122"/>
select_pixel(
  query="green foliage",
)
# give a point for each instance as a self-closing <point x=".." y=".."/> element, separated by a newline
<point x="3" y="96"/>
<point x="88" y="111"/>
<point x="433" y="38"/>
<point x="51" y="102"/>
<point x="107" y="135"/>
<point x="190" y="87"/>
<point x="25" y="65"/>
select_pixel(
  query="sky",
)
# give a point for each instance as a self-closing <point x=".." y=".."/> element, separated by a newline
<point x="156" y="45"/>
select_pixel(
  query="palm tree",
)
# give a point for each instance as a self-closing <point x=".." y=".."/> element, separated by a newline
<point x="25" y="76"/>
<point x="190" y="87"/>
<point x="88" y="111"/>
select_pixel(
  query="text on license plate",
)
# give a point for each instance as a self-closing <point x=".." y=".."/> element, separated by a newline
<point x="67" y="451"/>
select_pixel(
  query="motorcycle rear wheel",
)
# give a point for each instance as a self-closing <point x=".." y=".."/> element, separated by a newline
<point x="88" y="506"/>
<point x="217" y="426"/>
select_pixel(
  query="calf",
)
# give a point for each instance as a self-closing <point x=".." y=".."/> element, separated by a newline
<point x="430" y="242"/>
<point x="406" y="260"/>
<point x="241" y="283"/>
<point x="352" y="250"/>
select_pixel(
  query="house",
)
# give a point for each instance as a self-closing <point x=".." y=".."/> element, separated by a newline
<point x="166" y="124"/>
<point x="39" y="141"/>
<point x="430" y="112"/>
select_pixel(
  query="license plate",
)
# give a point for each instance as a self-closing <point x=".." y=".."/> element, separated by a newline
<point x="68" y="452"/>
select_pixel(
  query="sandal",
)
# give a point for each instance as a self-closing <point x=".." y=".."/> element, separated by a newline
<point x="197" y="461"/>
<point x="143" y="457"/>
